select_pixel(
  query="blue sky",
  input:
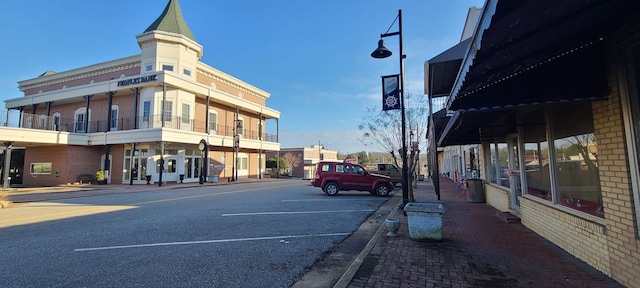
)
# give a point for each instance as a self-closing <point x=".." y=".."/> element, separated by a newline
<point x="312" y="56"/>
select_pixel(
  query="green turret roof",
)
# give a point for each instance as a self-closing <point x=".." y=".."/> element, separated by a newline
<point x="171" y="20"/>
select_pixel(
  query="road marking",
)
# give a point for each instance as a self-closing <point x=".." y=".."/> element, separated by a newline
<point x="301" y="212"/>
<point x="208" y="194"/>
<point x="329" y="200"/>
<point x="209" y="241"/>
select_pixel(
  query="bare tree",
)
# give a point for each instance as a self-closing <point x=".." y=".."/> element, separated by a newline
<point x="382" y="129"/>
<point x="290" y="161"/>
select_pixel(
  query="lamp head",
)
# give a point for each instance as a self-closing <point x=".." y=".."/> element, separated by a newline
<point x="381" y="52"/>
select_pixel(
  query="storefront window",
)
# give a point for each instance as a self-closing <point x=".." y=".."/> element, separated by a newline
<point x="492" y="176"/>
<point x="576" y="155"/>
<point x="536" y="159"/>
<point x="503" y="164"/>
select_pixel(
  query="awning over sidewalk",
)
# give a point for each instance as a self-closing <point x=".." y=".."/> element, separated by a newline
<point x="539" y="52"/>
<point x="440" y="72"/>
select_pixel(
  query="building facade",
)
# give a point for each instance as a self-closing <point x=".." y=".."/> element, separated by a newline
<point x="308" y="159"/>
<point x="549" y="90"/>
<point x="161" y="115"/>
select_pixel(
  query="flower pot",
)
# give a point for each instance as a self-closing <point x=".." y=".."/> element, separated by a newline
<point x="392" y="225"/>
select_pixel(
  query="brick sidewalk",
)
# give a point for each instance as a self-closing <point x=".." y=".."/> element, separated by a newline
<point x="479" y="249"/>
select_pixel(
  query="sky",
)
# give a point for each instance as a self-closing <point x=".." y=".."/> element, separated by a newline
<point x="313" y="57"/>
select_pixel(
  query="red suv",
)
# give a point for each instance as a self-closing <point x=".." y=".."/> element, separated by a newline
<point x="341" y="176"/>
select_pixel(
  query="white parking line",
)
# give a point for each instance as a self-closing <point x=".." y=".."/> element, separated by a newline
<point x="209" y="241"/>
<point x="301" y="212"/>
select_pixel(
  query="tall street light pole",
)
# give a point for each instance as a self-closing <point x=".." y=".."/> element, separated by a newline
<point x="383" y="52"/>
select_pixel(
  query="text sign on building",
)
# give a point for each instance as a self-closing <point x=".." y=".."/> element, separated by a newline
<point x="138" y="80"/>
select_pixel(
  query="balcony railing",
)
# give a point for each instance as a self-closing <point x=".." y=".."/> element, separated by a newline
<point x="16" y="119"/>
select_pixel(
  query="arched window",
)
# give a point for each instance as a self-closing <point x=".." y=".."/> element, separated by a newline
<point x="81" y="120"/>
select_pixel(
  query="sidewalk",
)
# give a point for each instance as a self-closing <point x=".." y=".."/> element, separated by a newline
<point x="479" y="249"/>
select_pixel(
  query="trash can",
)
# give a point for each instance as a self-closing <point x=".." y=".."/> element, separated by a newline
<point x="475" y="191"/>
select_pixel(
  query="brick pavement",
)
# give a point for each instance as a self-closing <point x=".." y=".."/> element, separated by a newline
<point x="479" y="249"/>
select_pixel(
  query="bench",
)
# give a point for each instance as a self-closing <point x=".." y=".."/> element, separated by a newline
<point x="86" y="178"/>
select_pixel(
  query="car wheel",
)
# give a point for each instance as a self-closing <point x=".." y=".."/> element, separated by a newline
<point x="382" y="190"/>
<point x="331" y="189"/>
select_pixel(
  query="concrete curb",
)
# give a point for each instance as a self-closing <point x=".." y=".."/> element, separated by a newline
<point x="348" y="275"/>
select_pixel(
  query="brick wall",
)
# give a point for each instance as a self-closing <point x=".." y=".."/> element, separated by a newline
<point x="68" y="161"/>
<point x="582" y="238"/>
<point x="617" y="194"/>
<point x="497" y="198"/>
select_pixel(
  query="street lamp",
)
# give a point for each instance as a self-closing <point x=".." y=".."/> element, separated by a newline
<point x="383" y="52"/>
<point x="203" y="148"/>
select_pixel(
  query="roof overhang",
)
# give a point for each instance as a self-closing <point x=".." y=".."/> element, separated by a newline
<point x="539" y="52"/>
<point x="440" y="72"/>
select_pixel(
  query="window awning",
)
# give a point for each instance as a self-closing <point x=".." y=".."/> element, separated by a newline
<point x="539" y="52"/>
<point x="440" y="72"/>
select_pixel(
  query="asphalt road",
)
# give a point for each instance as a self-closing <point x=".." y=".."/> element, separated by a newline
<point x="265" y="234"/>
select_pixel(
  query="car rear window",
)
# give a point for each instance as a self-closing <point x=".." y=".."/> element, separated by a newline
<point x="340" y="168"/>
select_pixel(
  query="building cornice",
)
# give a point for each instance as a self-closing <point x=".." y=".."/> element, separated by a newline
<point x="227" y="79"/>
<point x="80" y="73"/>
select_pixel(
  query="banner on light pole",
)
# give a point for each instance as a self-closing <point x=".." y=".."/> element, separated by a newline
<point x="390" y="92"/>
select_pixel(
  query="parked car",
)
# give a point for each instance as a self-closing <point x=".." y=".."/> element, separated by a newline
<point x="390" y="170"/>
<point x="333" y="177"/>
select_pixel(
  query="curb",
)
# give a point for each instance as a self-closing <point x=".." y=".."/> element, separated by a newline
<point x="348" y="275"/>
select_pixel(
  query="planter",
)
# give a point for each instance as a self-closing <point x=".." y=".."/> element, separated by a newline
<point x="392" y="225"/>
<point x="425" y="221"/>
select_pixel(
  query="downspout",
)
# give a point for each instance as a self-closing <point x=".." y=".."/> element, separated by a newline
<point x="86" y="113"/>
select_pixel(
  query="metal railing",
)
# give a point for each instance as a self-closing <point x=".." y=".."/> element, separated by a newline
<point x="17" y="119"/>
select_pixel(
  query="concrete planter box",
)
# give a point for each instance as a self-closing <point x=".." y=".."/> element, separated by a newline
<point x="425" y="221"/>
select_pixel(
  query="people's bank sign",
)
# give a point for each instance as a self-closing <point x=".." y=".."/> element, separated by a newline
<point x="138" y="80"/>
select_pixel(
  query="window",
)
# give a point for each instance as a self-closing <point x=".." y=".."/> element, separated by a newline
<point x="114" y="118"/>
<point x="576" y="159"/>
<point x="146" y="110"/>
<point x="40" y="168"/>
<point x="168" y="106"/>
<point x="80" y="119"/>
<point x="631" y="61"/>
<point x="186" y="72"/>
<point x="213" y="121"/>
<point x="149" y="68"/>
<point x="171" y="166"/>
<point x="186" y="117"/>
<point x="502" y="154"/>
<point x="43" y="119"/>
<point x="536" y="161"/>
<point x="56" y="121"/>
<point x="240" y="126"/>
<point x="357" y="170"/>
<point x="325" y="168"/>
<point x="167" y="67"/>
<point x="340" y="168"/>
<point x="244" y="163"/>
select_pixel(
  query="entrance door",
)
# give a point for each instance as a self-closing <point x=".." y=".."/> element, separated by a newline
<point x="515" y="175"/>
<point x="171" y="169"/>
